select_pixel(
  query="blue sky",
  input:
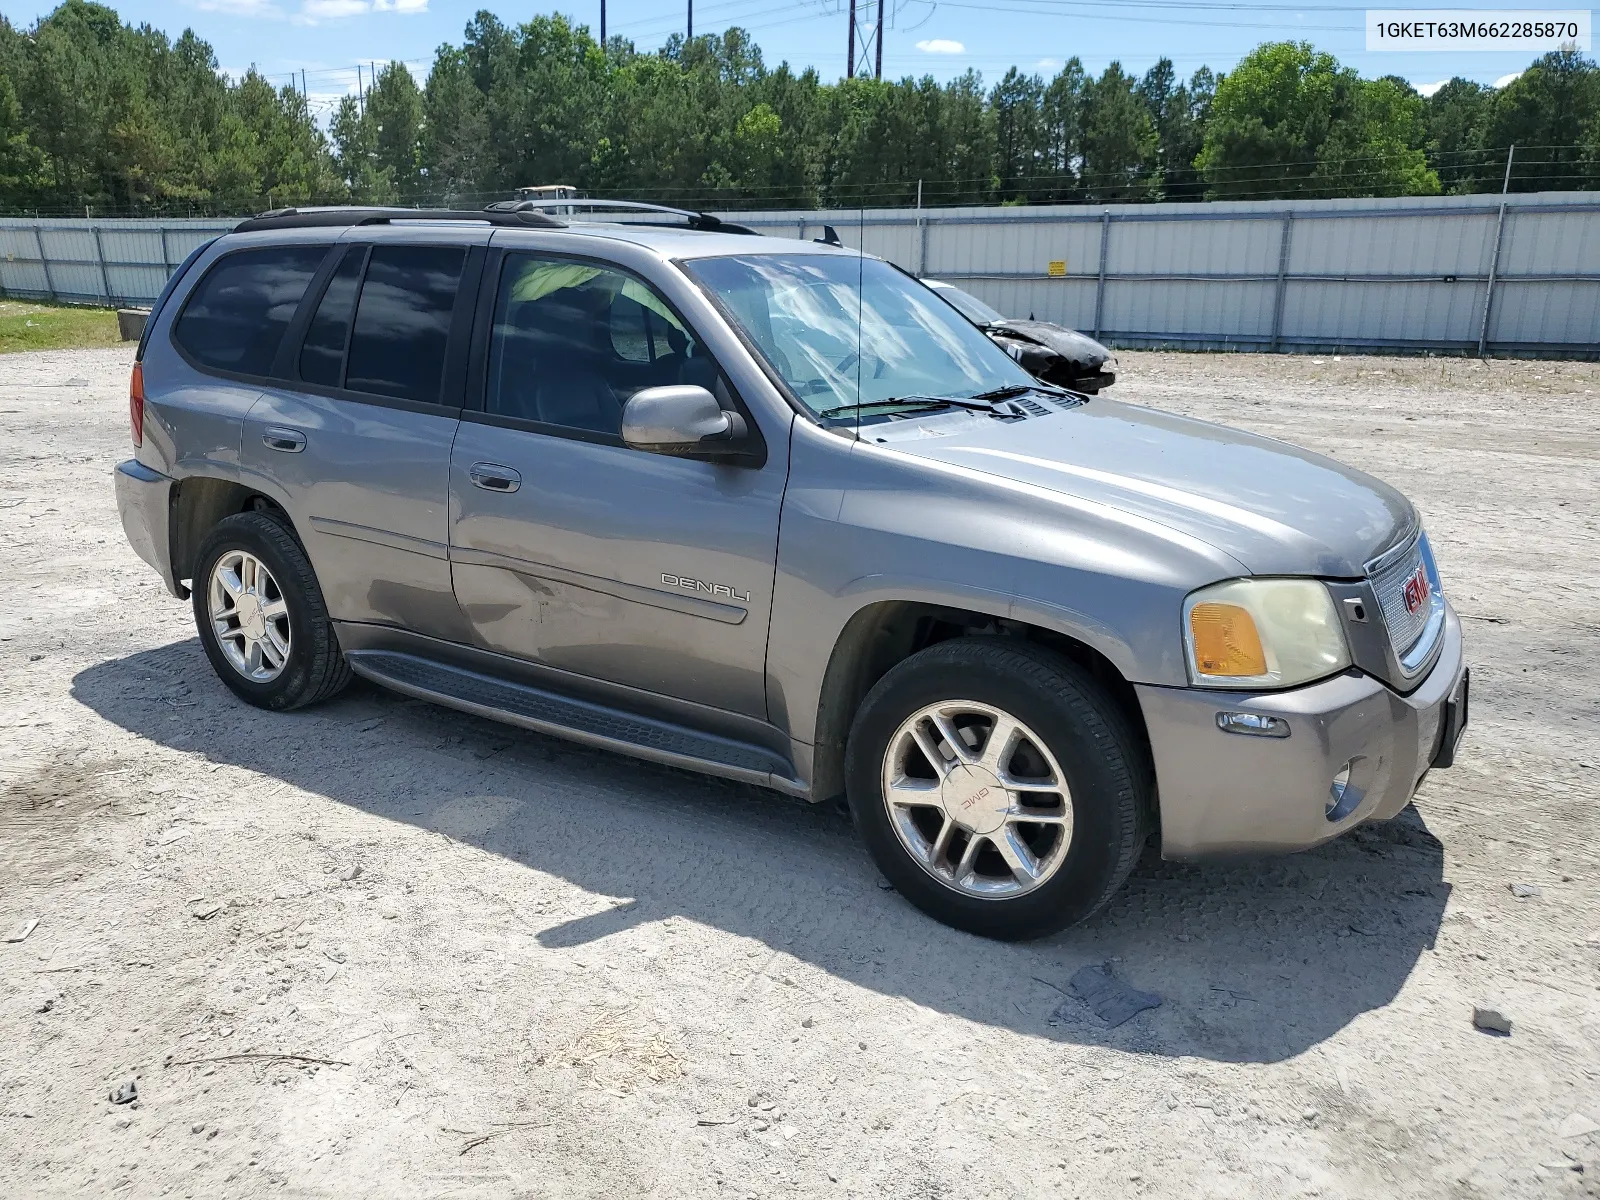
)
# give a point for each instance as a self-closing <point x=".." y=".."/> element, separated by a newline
<point x="327" y="38"/>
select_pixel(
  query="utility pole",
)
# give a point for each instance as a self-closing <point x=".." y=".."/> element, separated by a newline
<point x="850" y="59"/>
<point x="877" y="70"/>
<point x="602" y="24"/>
<point x="691" y="20"/>
<point x="866" y="35"/>
<point x="361" y="96"/>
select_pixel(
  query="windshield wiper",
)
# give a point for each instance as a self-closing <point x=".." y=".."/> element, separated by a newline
<point x="975" y="403"/>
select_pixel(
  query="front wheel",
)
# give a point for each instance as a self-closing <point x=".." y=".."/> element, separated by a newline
<point x="261" y="615"/>
<point x="998" y="787"/>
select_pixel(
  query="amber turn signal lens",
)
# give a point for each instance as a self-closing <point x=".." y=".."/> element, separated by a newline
<point x="1225" y="641"/>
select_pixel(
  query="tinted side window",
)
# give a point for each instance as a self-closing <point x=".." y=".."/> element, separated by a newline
<point x="236" y="317"/>
<point x="572" y="342"/>
<point x="403" y="321"/>
<point x="322" y="353"/>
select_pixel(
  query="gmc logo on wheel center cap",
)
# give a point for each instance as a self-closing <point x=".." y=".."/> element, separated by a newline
<point x="974" y="798"/>
<point x="1417" y="590"/>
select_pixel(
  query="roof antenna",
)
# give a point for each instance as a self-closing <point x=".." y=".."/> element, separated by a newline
<point x="830" y="237"/>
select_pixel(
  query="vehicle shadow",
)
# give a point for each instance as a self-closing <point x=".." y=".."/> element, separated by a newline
<point x="1255" y="961"/>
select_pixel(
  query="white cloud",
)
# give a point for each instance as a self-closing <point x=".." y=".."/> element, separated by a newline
<point x="1505" y="79"/>
<point x="322" y="10"/>
<point x="941" y="46"/>
<point x="313" y="11"/>
<point x="241" y="8"/>
<point x="1047" y="64"/>
<point x="1428" y="89"/>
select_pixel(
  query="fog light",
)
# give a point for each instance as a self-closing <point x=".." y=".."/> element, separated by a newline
<point x="1255" y="724"/>
<point x="1343" y="794"/>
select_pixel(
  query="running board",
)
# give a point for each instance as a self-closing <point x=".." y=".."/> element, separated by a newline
<point x="576" y="720"/>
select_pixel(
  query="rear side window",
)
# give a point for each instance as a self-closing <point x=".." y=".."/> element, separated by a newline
<point x="402" y="323"/>
<point x="322" y="353"/>
<point x="237" y="315"/>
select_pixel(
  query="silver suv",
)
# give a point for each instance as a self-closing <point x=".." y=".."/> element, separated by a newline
<point x="774" y="511"/>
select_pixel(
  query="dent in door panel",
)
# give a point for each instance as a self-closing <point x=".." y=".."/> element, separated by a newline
<point x="555" y="622"/>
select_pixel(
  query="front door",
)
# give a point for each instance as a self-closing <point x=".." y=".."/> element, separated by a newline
<point x="573" y="551"/>
<point x="357" y="437"/>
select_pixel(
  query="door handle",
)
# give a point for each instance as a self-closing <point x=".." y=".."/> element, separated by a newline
<point x="290" y="441"/>
<point x="492" y="477"/>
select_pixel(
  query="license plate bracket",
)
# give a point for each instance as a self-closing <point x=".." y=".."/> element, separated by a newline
<point x="1453" y="724"/>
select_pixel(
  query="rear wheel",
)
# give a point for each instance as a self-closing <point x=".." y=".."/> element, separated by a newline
<point x="998" y="787"/>
<point x="262" y="618"/>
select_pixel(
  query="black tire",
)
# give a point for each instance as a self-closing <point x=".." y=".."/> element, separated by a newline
<point x="1101" y="756"/>
<point x="315" y="668"/>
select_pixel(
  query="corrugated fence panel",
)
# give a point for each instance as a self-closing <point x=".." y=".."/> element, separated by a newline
<point x="1552" y="312"/>
<point x="1550" y="243"/>
<point x="1444" y="316"/>
<point x="1383" y="245"/>
<point x="1217" y="247"/>
<point x="96" y="262"/>
<point x="1189" y="310"/>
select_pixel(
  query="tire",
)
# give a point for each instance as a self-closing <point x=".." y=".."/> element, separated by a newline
<point x="313" y="668"/>
<point x="1069" y="732"/>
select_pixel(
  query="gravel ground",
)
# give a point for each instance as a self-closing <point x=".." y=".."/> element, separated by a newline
<point x="382" y="949"/>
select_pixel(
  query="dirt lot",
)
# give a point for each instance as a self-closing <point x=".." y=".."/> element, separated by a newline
<point x="382" y="949"/>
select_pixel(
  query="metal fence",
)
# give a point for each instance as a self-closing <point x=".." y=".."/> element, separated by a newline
<point x="1515" y="275"/>
<point x="1508" y="275"/>
<point x="108" y="262"/>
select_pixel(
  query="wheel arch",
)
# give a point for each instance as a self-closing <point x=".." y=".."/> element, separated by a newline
<point x="886" y="632"/>
<point x="198" y="503"/>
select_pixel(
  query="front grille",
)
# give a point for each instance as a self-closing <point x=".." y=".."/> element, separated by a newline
<point x="1389" y="575"/>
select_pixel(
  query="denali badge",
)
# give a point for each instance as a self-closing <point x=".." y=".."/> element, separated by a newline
<point x="699" y="585"/>
<point x="1417" y="590"/>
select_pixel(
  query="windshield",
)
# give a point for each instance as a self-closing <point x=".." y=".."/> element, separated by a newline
<point x="845" y="331"/>
<point x="969" y="306"/>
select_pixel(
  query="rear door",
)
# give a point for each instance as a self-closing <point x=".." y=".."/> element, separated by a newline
<point x="572" y="550"/>
<point x="357" y="436"/>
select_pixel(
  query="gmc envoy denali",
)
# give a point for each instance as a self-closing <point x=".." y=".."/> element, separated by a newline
<point x="773" y="510"/>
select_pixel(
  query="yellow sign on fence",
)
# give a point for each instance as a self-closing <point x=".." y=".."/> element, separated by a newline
<point x="1058" y="266"/>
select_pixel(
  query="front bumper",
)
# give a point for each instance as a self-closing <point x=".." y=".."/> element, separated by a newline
<point x="144" y="500"/>
<point x="1228" y="793"/>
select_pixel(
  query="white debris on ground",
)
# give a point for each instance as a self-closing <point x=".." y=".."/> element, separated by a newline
<point x="378" y="948"/>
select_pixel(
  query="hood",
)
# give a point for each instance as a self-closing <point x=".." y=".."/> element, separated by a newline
<point x="1075" y="347"/>
<point x="1277" y="509"/>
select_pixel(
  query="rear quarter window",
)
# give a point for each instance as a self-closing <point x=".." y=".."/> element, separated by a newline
<point x="237" y="315"/>
<point x="402" y="321"/>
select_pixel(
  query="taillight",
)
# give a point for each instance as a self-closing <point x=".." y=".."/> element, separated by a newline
<point x="136" y="403"/>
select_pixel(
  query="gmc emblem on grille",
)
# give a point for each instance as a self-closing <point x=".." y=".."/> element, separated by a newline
<point x="1417" y="590"/>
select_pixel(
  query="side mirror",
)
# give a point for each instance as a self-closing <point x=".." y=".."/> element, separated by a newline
<point x="683" y="420"/>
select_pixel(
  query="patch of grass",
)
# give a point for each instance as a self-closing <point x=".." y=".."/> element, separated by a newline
<point x="31" y="325"/>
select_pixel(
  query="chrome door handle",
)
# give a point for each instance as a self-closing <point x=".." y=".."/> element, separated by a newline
<point x="492" y="477"/>
<point x="290" y="441"/>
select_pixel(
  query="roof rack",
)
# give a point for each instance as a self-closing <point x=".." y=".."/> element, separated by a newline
<point x="704" y="222"/>
<point x="348" y="215"/>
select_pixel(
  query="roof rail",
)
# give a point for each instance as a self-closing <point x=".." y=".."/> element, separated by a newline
<point x="347" y="215"/>
<point x="704" y="222"/>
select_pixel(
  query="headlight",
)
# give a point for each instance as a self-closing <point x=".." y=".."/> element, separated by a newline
<point x="1263" y="633"/>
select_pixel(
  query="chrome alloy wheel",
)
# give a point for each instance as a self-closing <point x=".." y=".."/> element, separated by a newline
<point x="976" y="797"/>
<point x="249" y="616"/>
